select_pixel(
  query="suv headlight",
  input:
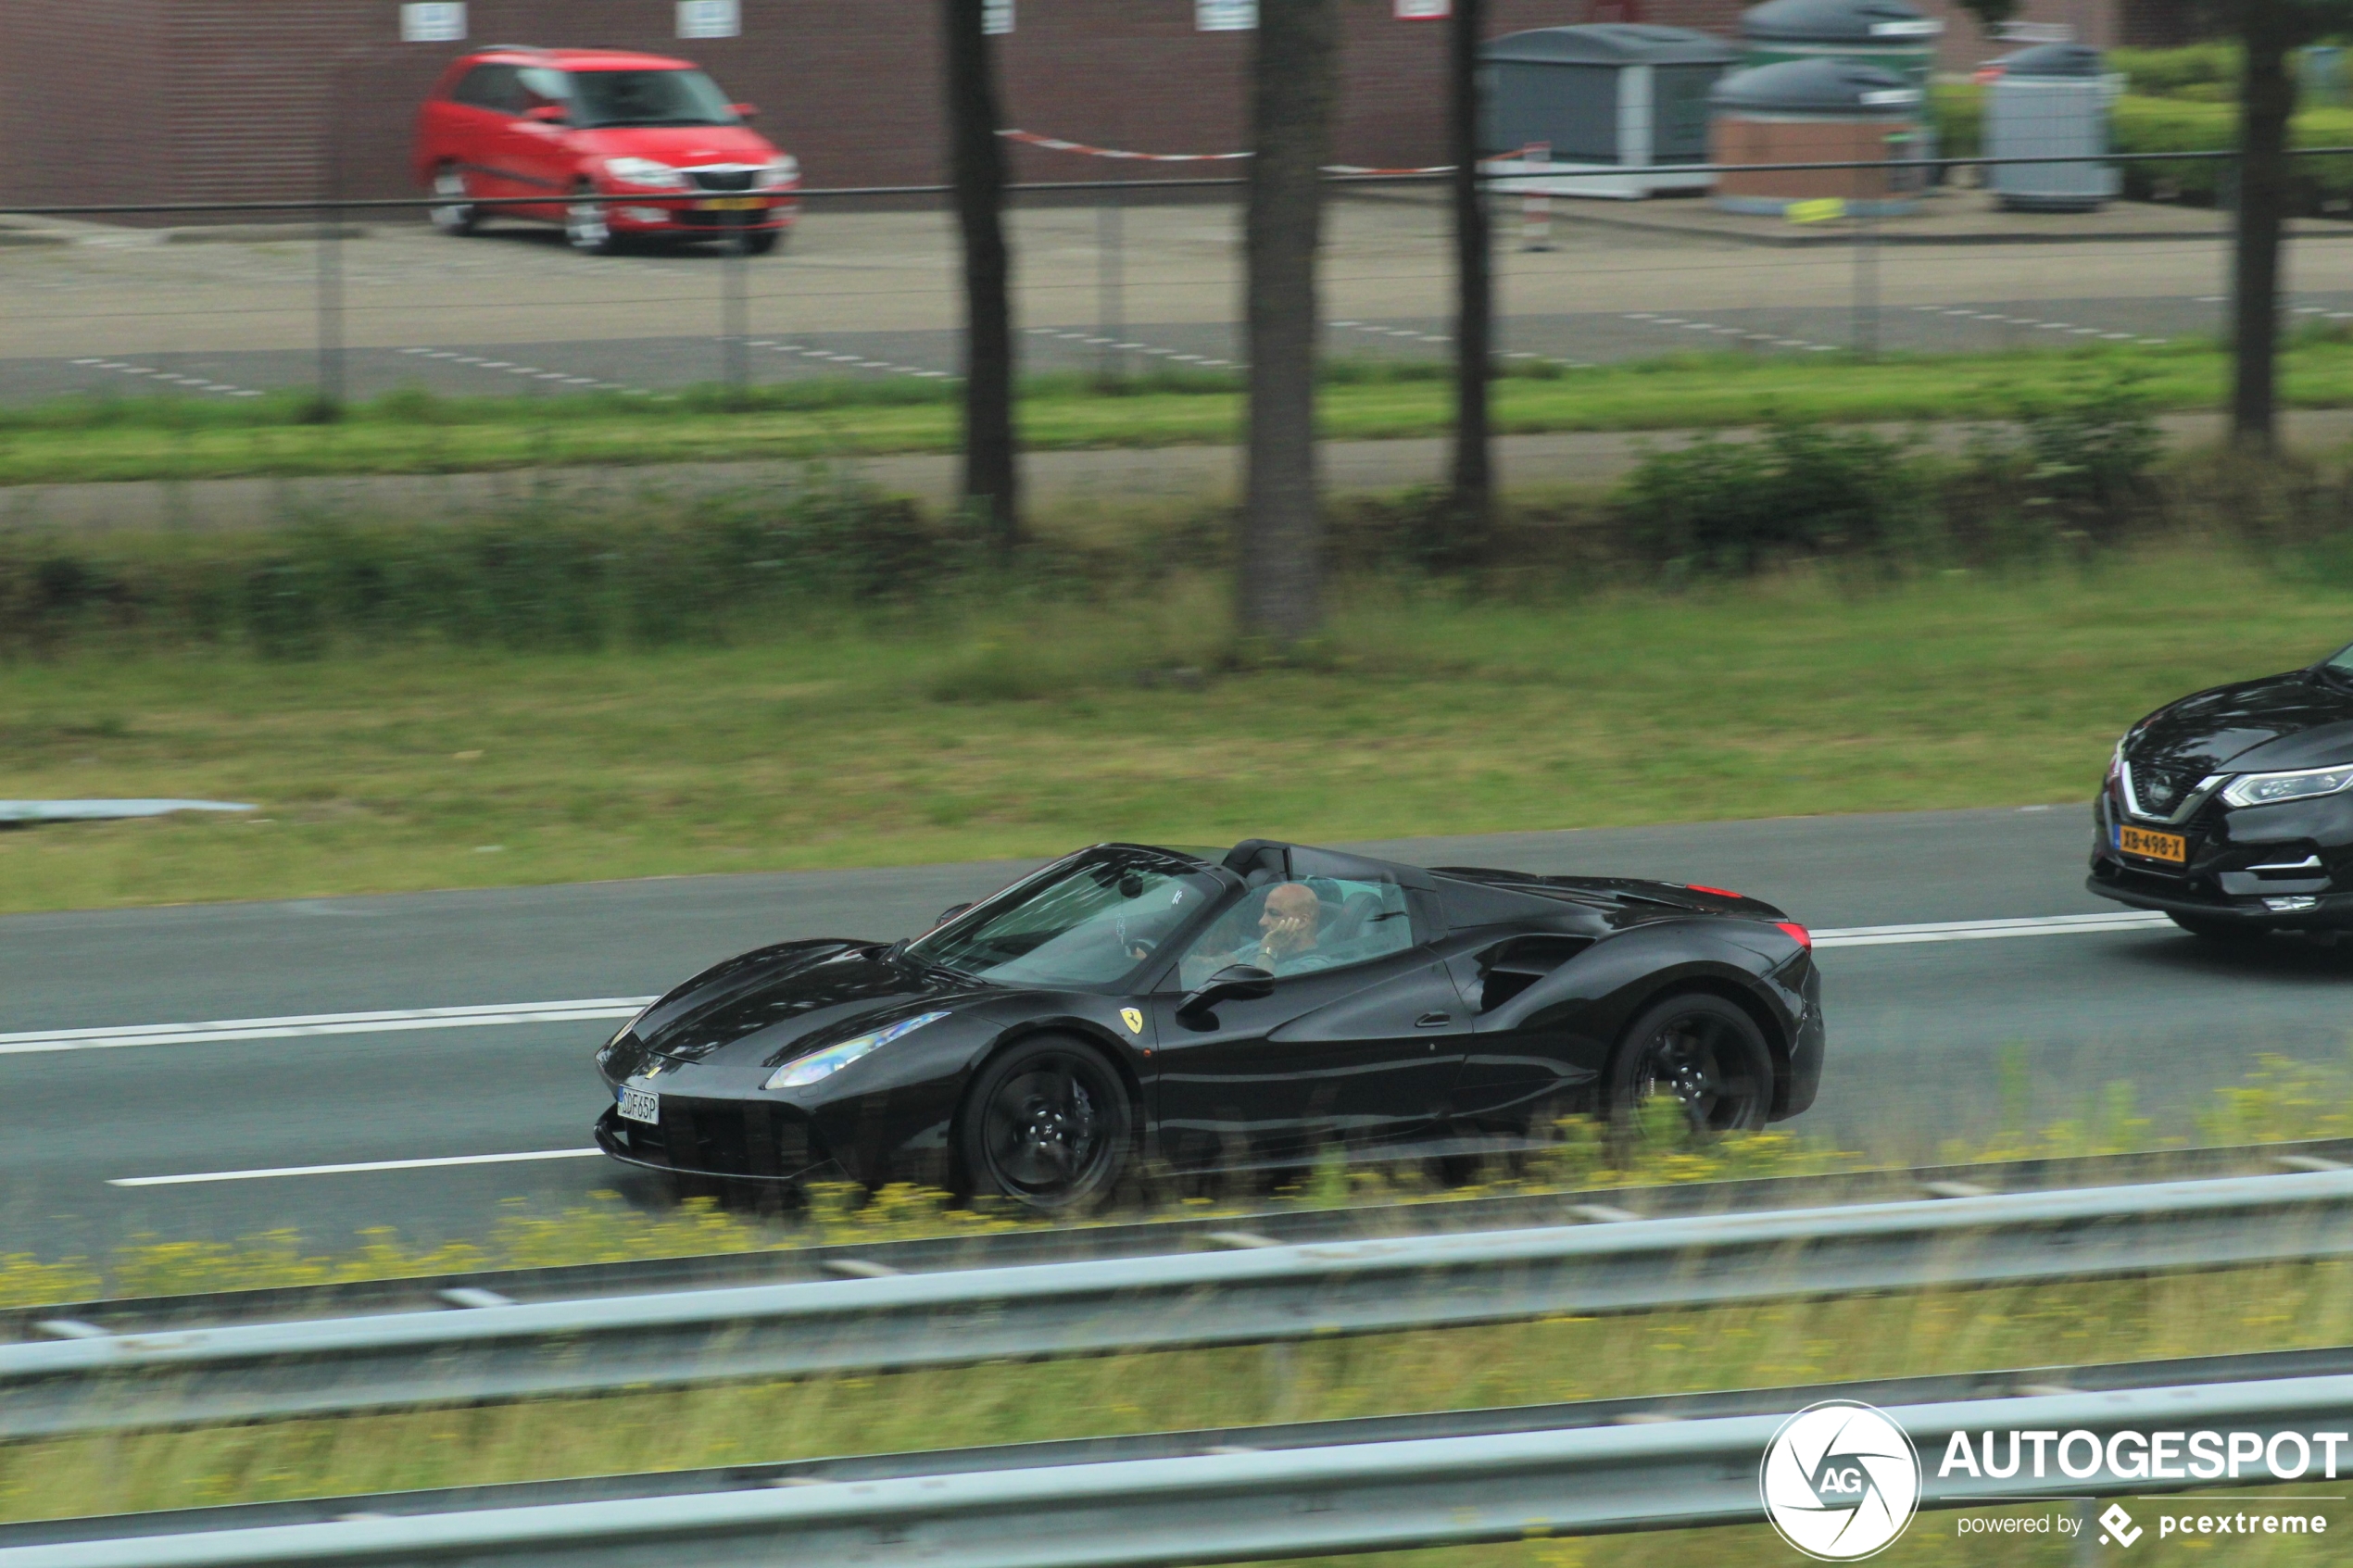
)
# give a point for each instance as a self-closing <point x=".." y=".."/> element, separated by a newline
<point x="833" y="1059"/>
<point x="2270" y="790"/>
<point x="782" y="171"/>
<point x="645" y="172"/>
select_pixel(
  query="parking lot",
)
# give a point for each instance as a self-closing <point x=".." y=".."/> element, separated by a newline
<point x="875" y="295"/>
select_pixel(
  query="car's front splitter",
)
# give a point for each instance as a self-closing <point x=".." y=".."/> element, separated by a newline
<point x="2332" y="911"/>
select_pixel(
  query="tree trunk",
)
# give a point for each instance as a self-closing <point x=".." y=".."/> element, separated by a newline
<point x="978" y="170"/>
<point x="2268" y="99"/>
<point x="1474" y="475"/>
<point x="1281" y="591"/>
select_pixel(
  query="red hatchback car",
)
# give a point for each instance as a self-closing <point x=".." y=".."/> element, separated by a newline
<point x="620" y="145"/>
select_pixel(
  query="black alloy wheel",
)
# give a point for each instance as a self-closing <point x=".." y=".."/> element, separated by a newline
<point x="1701" y="1051"/>
<point x="1048" y="1124"/>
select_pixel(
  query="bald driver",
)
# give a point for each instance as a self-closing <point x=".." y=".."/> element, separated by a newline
<point x="1286" y="931"/>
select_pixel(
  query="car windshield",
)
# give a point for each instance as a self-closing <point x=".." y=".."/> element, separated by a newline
<point x="648" y="97"/>
<point x="1089" y="924"/>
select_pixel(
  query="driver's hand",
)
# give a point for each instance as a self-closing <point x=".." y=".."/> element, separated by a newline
<point x="1285" y="934"/>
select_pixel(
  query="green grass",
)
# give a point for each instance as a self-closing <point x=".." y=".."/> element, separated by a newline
<point x="970" y="733"/>
<point x="1560" y="1358"/>
<point x="408" y="432"/>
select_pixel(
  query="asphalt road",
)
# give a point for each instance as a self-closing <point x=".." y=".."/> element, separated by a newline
<point x="1918" y="1027"/>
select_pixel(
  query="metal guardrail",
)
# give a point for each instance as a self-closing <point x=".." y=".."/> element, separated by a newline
<point x="111" y="1382"/>
<point x="1146" y="1237"/>
<point x="1453" y="1477"/>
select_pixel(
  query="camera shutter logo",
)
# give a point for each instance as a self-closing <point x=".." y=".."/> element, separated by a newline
<point x="1840" y="1480"/>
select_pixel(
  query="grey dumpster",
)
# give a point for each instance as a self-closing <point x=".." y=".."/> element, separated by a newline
<point x="2050" y="101"/>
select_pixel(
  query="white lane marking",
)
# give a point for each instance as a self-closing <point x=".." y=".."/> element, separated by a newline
<point x="194" y="1177"/>
<point x="301" y="1026"/>
<point x="1984" y="930"/>
<point x="400" y="1021"/>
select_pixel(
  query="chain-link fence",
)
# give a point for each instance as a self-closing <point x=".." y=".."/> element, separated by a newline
<point x="1115" y="281"/>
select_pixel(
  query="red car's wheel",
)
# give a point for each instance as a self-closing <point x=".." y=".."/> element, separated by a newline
<point x="452" y="211"/>
<point x="587" y="228"/>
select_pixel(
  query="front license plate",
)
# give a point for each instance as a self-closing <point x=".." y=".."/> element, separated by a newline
<point x="732" y="204"/>
<point x="640" y="1105"/>
<point x="2153" y="845"/>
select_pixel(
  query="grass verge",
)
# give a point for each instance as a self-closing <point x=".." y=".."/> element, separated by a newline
<point x="409" y="432"/>
<point x="968" y="730"/>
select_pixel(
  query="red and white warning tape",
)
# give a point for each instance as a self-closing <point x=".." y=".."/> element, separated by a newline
<point x="1055" y="144"/>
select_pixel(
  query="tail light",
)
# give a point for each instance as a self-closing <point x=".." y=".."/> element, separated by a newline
<point x="1797" y="933"/>
<point x="1719" y="892"/>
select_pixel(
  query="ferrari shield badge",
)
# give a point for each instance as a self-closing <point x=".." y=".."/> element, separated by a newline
<point x="1133" y="1018"/>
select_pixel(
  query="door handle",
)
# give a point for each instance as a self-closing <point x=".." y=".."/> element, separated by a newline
<point x="1434" y="1020"/>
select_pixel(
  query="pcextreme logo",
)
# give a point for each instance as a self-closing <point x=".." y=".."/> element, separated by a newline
<point x="1840" y="1480"/>
<point x="2120" y="1524"/>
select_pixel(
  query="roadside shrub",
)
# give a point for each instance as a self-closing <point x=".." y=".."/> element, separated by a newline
<point x="548" y="574"/>
<point x="1732" y="506"/>
<point x="2075" y="467"/>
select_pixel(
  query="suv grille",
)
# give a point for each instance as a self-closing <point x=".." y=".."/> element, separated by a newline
<point x="722" y="179"/>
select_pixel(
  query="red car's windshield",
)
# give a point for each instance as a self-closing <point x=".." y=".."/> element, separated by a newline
<point x="648" y="97"/>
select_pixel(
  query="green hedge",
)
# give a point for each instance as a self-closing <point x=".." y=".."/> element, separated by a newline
<point x="2205" y="72"/>
<point x="2146" y="125"/>
<point x="2168" y="125"/>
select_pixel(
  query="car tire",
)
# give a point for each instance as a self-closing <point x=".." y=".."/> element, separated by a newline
<point x="2217" y="930"/>
<point x="1047" y="1123"/>
<point x="588" y="227"/>
<point x="1704" y="1051"/>
<point x="452" y="212"/>
<point x="762" y="242"/>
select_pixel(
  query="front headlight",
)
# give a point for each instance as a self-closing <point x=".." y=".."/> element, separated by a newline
<point x="833" y="1059"/>
<point x="645" y="172"/>
<point x="782" y="170"/>
<point x="2270" y="790"/>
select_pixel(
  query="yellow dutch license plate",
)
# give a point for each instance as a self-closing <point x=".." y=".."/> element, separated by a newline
<point x="2153" y="845"/>
<point x="732" y="204"/>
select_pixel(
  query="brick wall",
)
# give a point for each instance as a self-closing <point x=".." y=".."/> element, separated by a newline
<point x="82" y="114"/>
<point x="245" y="99"/>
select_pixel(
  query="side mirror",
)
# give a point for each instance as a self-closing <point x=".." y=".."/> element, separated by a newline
<point x="950" y="912"/>
<point x="1238" y="983"/>
<point x="547" y="114"/>
<point x="745" y="111"/>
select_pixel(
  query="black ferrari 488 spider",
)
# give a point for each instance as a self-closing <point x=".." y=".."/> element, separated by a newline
<point x="1130" y="1008"/>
